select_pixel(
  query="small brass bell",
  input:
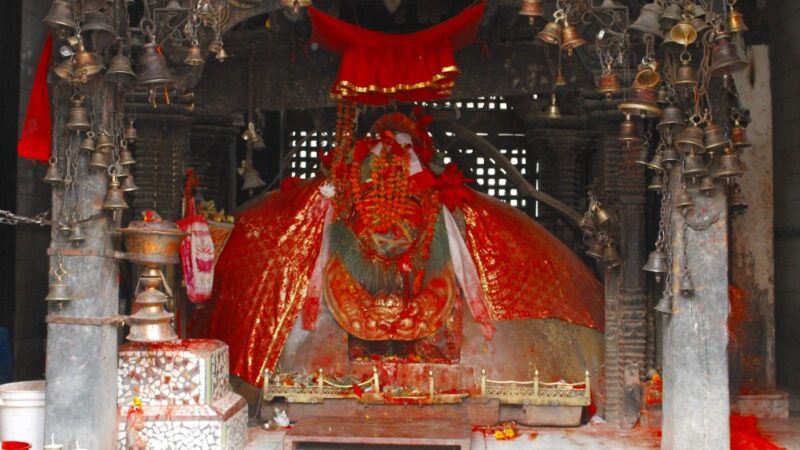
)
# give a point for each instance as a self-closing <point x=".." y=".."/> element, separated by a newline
<point x="531" y="9"/>
<point x="707" y="185"/>
<point x="596" y="249"/>
<point x="735" y="22"/>
<point x="670" y="157"/>
<point x="611" y="256"/>
<point x="729" y="165"/>
<point x="656" y="183"/>
<point x="76" y="235"/>
<point x="154" y="71"/>
<point x="684" y="33"/>
<point x="250" y="134"/>
<point x="647" y="76"/>
<point x="131" y="135"/>
<point x="628" y="131"/>
<point x="120" y="69"/>
<point x="656" y="163"/>
<point x="685" y="75"/>
<point x="65" y="70"/>
<point x="194" y="56"/>
<point x="656" y="262"/>
<point x="664" y="305"/>
<point x="643" y="158"/>
<point x="662" y="94"/>
<point x="126" y="157"/>
<point x="105" y="143"/>
<point x="736" y="201"/>
<point x="686" y="285"/>
<point x="601" y="214"/>
<point x="725" y="58"/>
<point x="648" y="20"/>
<point x="78" y="116"/>
<point x="252" y="179"/>
<point x="739" y="138"/>
<point x="560" y="80"/>
<point x="672" y="14"/>
<point x="642" y="102"/>
<point x="128" y="185"/>
<point x="692" y="138"/>
<point x="53" y="175"/>
<point x="59" y="291"/>
<point x="715" y="138"/>
<point x="60" y="15"/>
<point x="99" y="160"/>
<point x="552" y="32"/>
<point x="552" y="111"/>
<point x="672" y="119"/>
<point x="87" y="143"/>
<point x="571" y="38"/>
<point x="222" y="55"/>
<point x="609" y="84"/>
<point x="258" y="144"/>
<point x="684" y="200"/>
<point x="86" y="64"/>
<point x="115" y="198"/>
<point x="588" y="224"/>
<point x="693" y="166"/>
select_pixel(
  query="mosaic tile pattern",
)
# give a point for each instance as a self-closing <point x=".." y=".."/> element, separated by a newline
<point x="235" y="430"/>
<point x="219" y="373"/>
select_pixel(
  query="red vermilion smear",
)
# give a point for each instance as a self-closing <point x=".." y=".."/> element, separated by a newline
<point x="745" y="435"/>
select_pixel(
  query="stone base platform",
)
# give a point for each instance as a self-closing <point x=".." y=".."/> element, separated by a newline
<point x="187" y="402"/>
<point x="773" y="405"/>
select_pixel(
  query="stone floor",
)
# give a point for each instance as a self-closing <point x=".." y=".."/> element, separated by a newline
<point x="784" y="432"/>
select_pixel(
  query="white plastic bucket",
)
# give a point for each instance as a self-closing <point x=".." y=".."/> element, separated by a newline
<point x="22" y="412"/>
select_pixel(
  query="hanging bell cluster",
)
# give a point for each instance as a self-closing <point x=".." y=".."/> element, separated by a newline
<point x="562" y="33"/>
<point x="595" y="225"/>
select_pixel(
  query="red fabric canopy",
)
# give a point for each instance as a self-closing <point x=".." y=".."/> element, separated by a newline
<point x="377" y="67"/>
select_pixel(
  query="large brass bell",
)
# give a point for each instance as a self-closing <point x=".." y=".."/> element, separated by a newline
<point x="78" y="116"/>
<point x="628" y="131"/>
<point x="685" y="75"/>
<point x="725" y="58"/>
<point x="739" y="138"/>
<point x="552" y="32"/>
<point x="656" y="183"/>
<point x="672" y="14"/>
<point x="128" y="185"/>
<point x="648" y="20"/>
<point x="154" y="71"/>
<point x="694" y="166"/>
<point x="664" y="305"/>
<point x="531" y="9"/>
<point x="194" y="56"/>
<point x="596" y="249"/>
<point x="692" y="138"/>
<point x="735" y="22"/>
<point x="642" y="103"/>
<point x="59" y="291"/>
<point x="86" y="64"/>
<point x="611" y="256"/>
<point x="552" y="112"/>
<point x="707" y="185"/>
<point x="53" y="175"/>
<point x="672" y="119"/>
<point x="100" y="26"/>
<point x="87" y="143"/>
<point x="150" y="322"/>
<point x="120" y="70"/>
<point x="115" y="198"/>
<point x="656" y="262"/>
<point x="684" y="33"/>
<point x="715" y="138"/>
<point x="65" y="69"/>
<point x="571" y="38"/>
<point x="729" y="165"/>
<point x="60" y="15"/>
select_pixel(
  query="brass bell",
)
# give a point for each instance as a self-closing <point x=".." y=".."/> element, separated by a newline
<point x="662" y="94"/>
<point x="656" y="183"/>
<point x="588" y="224"/>
<point x="596" y="249"/>
<point x="684" y="200"/>
<point x="115" y="198"/>
<point x="150" y="322"/>
<point x="656" y="262"/>
<point x="258" y="144"/>
<point x="60" y="15"/>
<point x="672" y="14"/>
<point x="628" y="131"/>
<point x="78" y="116"/>
<point x="642" y="102"/>
<point x="531" y="8"/>
<point x="609" y="84"/>
<point x="735" y="22"/>
<point x="643" y="158"/>
<point x="59" y="291"/>
<point x="725" y="58"/>
<point x="194" y="56"/>
<point x="99" y="160"/>
<point x="250" y="134"/>
<point x="701" y="26"/>
<point x="105" y="143"/>
<point x="736" y="201"/>
<point x="648" y="20"/>
<point x="252" y="179"/>
<point x="670" y="157"/>
<point x="65" y="69"/>
<point x="560" y="80"/>
<point x="739" y="136"/>
<point x="707" y="185"/>
<point x="692" y="138"/>
<point x="669" y="45"/>
<point x="656" y="163"/>
<point x="86" y="64"/>
<point x="126" y="157"/>
<point x="686" y="285"/>
<point x="664" y="305"/>
<point x="551" y="33"/>
<point x="120" y="69"/>
<point x="694" y="166"/>
<point x="600" y="214"/>
<point x="611" y="256"/>
<point x="552" y="111"/>
<point x="692" y="186"/>
<point x="100" y="25"/>
<point x="715" y="138"/>
<point x="729" y="165"/>
<point x="672" y="119"/>
<point x="685" y="75"/>
<point x="684" y="33"/>
<point x="87" y="143"/>
<point x="130" y="133"/>
<point x="53" y="175"/>
<point x="647" y="76"/>
<point x="153" y="68"/>
<point x="222" y="55"/>
<point x="128" y="185"/>
<point x="76" y="235"/>
<point x="571" y="38"/>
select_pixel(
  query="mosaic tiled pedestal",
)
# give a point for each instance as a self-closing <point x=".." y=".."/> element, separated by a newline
<point x="185" y="393"/>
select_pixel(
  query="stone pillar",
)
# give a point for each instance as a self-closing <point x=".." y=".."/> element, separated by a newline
<point x="696" y="404"/>
<point x="81" y="360"/>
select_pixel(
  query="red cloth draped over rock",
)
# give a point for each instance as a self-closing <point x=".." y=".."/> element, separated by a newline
<point x="377" y="67"/>
<point x="263" y="275"/>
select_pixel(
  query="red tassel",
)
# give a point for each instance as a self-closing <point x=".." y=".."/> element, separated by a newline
<point x="34" y="143"/>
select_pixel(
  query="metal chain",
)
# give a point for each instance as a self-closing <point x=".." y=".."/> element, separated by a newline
<point x="9" y="218"/>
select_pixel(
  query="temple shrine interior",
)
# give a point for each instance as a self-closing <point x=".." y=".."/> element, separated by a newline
<point x="386" y="224"/>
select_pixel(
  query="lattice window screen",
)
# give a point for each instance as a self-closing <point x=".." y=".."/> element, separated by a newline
<point x="307" y="146"/>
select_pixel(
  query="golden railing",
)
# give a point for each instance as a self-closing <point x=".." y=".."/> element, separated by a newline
<point x="323" y="389"/>
<point x="537" y="392"/>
